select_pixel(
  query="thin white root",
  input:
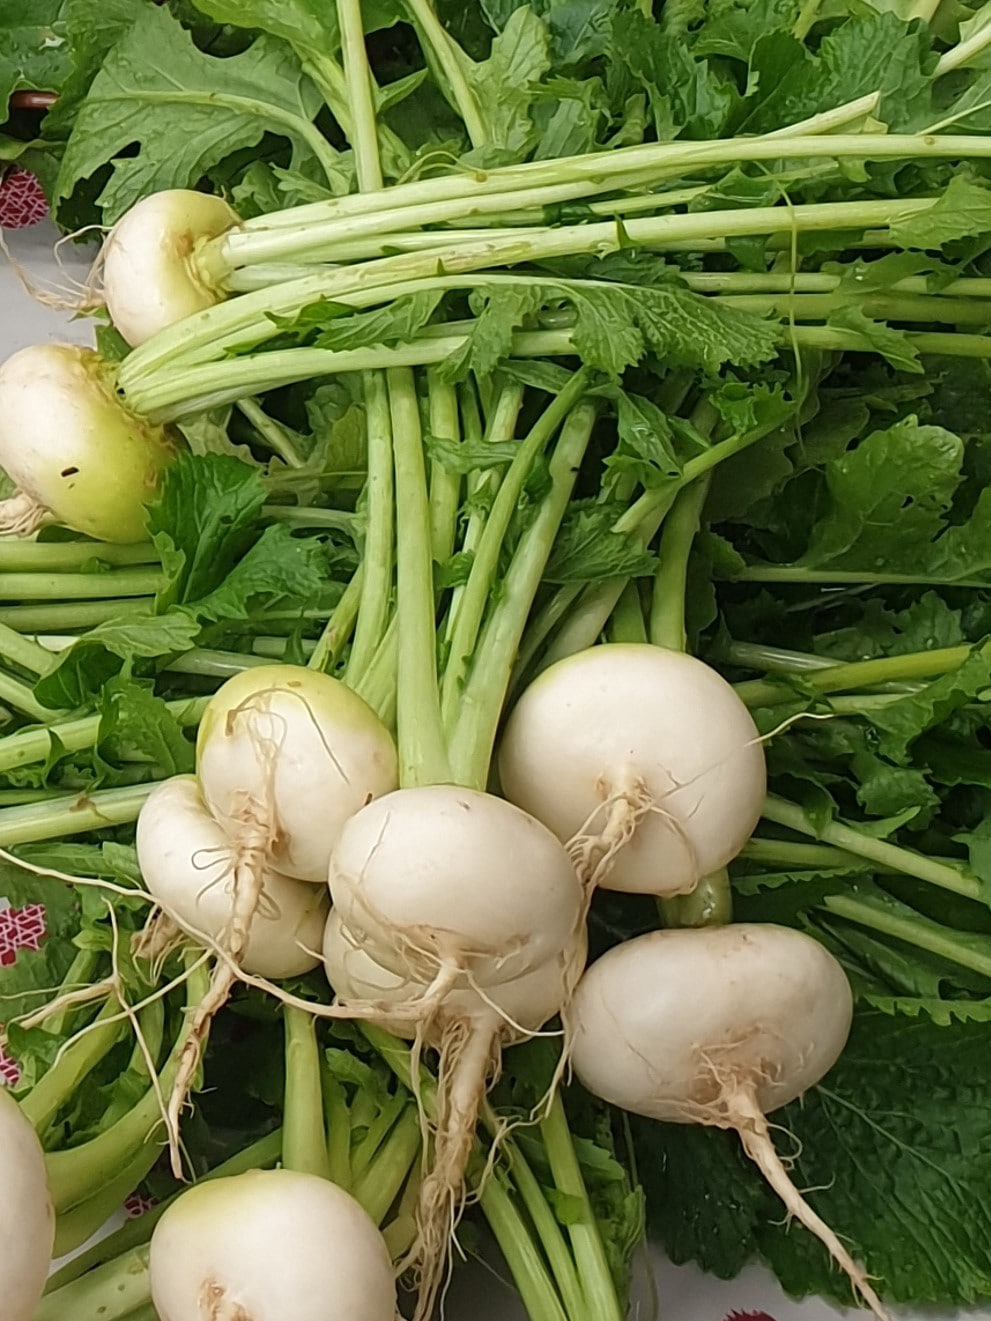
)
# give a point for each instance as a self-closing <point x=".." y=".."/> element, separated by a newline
<point x="745" y="1116"/>
<point x="466" y="1062"/>
<point x="21" y="515"/>
<point x="101" y="990"/>
<point x="248" y="872"/>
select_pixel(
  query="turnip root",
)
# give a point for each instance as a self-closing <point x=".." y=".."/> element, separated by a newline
<point x="294" y="753"/>
<point x="718" y="1026"/>
<point x="469" y="1029"/>
<point x="76" y="454"/>
<point x="644" y="759"/>
<point x="459" y="904"/>
<point x="27" y="1220"/>
<point x="440" y="882"/>
<point x="270" y="1245"/>
<point x="190" y="864"/>
<point x="150" y="276"/>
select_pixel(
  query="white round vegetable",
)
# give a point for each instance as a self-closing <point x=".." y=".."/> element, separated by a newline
<point x="190" y="866"/>
<point x="76" y="454"/>
<point x="151" y="278"/>
<point x="270" y="1245"/>
<point x="296" y="753"/>
<point x="644" y="758"/>
<point x="27" y="1220"/>
<point x="718" y="1026"/>
<point x="440" y="880"/>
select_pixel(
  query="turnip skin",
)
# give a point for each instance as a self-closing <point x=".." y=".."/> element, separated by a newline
<point x="150" y="275"/>
<point x="27" y="1219"/>
<point x="440" y="880"/>
<point x="270" y="1245"/>
<point x="643" y="759"/>
<point x="295" y="753"/>
<point x="76" y="454"/>
<point x="718" y="1026"/>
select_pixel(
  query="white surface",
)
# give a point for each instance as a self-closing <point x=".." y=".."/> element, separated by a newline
<point x="683" y="1293"/>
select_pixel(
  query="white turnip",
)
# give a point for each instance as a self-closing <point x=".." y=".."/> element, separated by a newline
<point x="292" y="753"/>
<point x="644" y="759"/>
<point x="718" y="1026"/>
<point x="75" y="453"/>
<point x="27" y="1220"/>
<point x="151" y="278"/>
<point x="270" y="1245"/>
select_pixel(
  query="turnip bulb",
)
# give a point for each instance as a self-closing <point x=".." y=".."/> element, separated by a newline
<point x="643" y="759"/>
<point x="76" y="454"/>
<point x="270" y="1245"/>
<point x="440" y="881"/>
<point x="292" y="753"/>
<point x="718" y="1026"/>
<point x="27" y="1220"/>
<point x="151" y="278"/>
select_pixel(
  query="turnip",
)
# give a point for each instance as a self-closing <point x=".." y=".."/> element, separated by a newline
<point x="441" y="882"/>
<point x="644" y="759"/>
<point x="27" y="1220"/>
<point x="295" y="753"/>
<point x="718" y="1026"/>
<point x="151" y="278"/>
<point x="76" y="454"/>
<point x="190" y="864"/>
<point x="461" y="897"/>
<point x="270" y="1245"/>
<point x="284" y="756"/>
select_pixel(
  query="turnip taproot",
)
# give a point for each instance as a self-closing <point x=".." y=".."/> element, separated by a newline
<point x="718" y="1026"/>
<point x="295" y="753"/>
<point x="644" y="759"/>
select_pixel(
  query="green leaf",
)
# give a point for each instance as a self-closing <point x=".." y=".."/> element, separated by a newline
<point x="325" y="324"/>
<point x="894" y="346"/>
<point x="901" y="723"/>
<point x="462" y="457"/>
<point x="87" y="44"/>
<point x="647" y="443"/>
<point x="687" y="97"/>
<point x="34" y="51"/>
<point x="503" y="85"/>
<point x="963" y="211"/>
<point x="201" y="522"/>
<point x="183" y="109"/>
<point x="278" y="568"/>
<point x="500" y="310"/>
<point x="887" y="499"/>
<point x="733" y="27"/>
<point x="138" y="727"/>
<point x="107" y="649"/>
<point x="588" y="550"/>
<point x="872" y="53"/>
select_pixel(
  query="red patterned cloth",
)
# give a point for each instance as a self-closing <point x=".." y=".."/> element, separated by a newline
<point x="22" y="201"/>
<point x="10" y="1070"/>
<point x="20" y="928"/>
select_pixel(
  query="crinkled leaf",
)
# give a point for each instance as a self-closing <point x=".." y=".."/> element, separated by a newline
<point x="278" y="567"/>
<point x="895" y="346"/>
<point x="588" y="550"/>
<point x="500" y="310"/>
<point x="963" y="211"/>
<point x="183" y="109"/>
<point x="107" y="649"/>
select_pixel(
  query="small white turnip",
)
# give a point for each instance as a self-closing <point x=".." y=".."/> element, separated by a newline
<point x="718" y="1026"/>
<point x="27" y="1220"/>
<point x="643" y="759"/>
